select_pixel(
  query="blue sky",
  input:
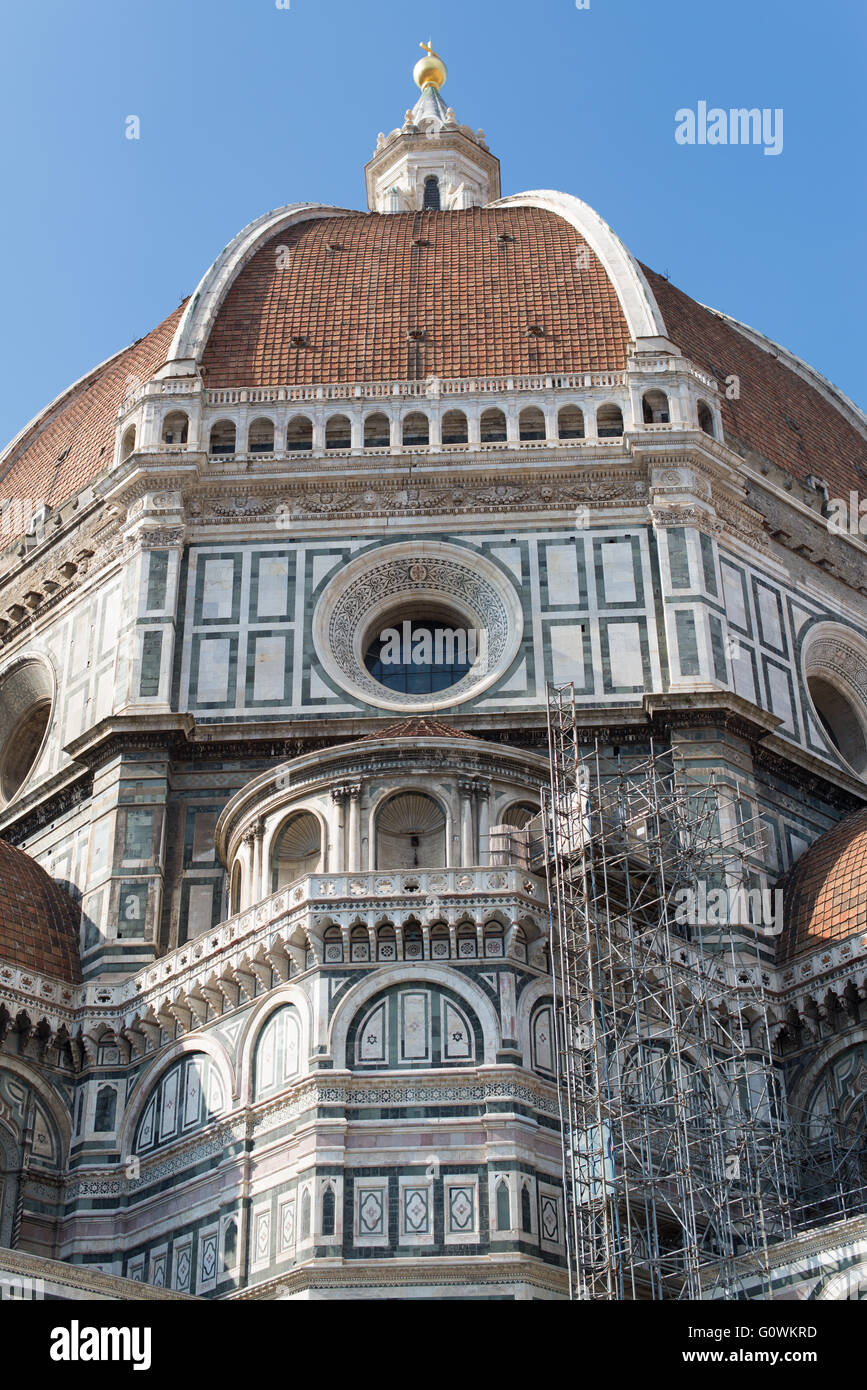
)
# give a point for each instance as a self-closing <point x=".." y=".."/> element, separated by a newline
<point x="245" y="106"/>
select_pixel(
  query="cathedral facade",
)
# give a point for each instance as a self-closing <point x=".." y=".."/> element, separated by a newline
<point x="283" y="588"/>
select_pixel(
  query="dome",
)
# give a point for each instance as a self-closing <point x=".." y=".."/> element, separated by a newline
<point x="825" y="893"/>
<point x="535" y="283"/>
<point x="71" y="443"/>
<point x="38" y="921"/>
<point x="473" y="284"/>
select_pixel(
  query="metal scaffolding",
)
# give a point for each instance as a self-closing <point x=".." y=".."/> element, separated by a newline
<point x="674" y="1142"/>
<point x="830" y="1163"/>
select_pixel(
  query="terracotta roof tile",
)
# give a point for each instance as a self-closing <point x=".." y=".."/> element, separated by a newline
<point x="72" y="443"/>
<point x="825" y="893"/>
<point x="38" y="921"/>
<point x="446" y="274"/>
<point x="779" y="415"/>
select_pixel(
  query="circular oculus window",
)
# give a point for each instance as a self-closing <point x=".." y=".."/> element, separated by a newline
<point x="419" y="626"/>
<point x="835" y="674"/>
<point x="26" y="701"/>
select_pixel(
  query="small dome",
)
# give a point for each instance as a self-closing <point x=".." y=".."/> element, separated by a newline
<point x="38" y="921"/>
<point x="825" y="893"/>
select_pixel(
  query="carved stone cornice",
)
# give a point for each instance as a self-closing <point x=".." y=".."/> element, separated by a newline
<point x="698" y="517"/>
<point x="810" y="540"/>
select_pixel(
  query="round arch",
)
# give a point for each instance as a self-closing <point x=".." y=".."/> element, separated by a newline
<point x="150" y="1078"/>
<point x="386" y="794"/>
<point x="277" y="822"/>
<point x="52" y="1100"/>
<point x="381" y="980"/>
<point x="415" y="820"/>
<point x="252" y="1031"/>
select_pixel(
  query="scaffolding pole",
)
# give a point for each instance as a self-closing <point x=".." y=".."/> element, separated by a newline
<point x="675" y="1160"/>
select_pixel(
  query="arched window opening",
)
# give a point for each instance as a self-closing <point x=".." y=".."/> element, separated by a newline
<point x="416" y="429"/>
<point x="299" y="434"/>
<point x="439" y="942"/>
<point x="841" y="722"/>
<point x="504" y="1219"/>
<point x="654" y="408"/>
<point x="609" y="422"/>
<point x="519" y="814"/>
<point x="494" y="940"/>
<point x="223" y="437"/>
<point x="230" y="1245"/>
<point x="386" y="944"/>
<point x="411" y="833"/>
<point x="531" y="423"/>
<point x="377" y="432"/>
<point x="432" y="193"/>
<point x="454" y="427"/>
<point x="570" y="422"/>
<point x="359" y="944"/>
<point x="186" y="1098"/>
<point x="106" y="1105"/>
<point x="526" y="1210"/>
<point x="413" y="941"/>
<point x="127" y="443"/>
<point x="338" y="432"/>
<point x="175" y="427"/>
<point x="333" y="945"/>
<point x="297" y="850"/>
<point x="328" y="1212"/>
<point x="277" y="1058"/>
<point x="467" y="942"/>
<point x="705" y="419"/>
<point x="492" y="427"/>
<point x="542" y="1040"/>
<point x="414" y="1025"/>
<point x="22" y="744"/>
<point x="260" y="438"/>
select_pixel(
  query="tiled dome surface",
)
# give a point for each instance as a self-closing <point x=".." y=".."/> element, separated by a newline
<point x="38" y="921"/>
<point x="72" y="442"/>
<point x="825" y="893"/>
<point x="779" y="415"/>
<point x="379" y="297"/>
<point x="445" y="274"/>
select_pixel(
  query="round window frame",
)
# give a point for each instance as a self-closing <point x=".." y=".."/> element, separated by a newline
<point x="436" y="575"/>
<point x="9" y="727"/>
<point x="843" y="673"/>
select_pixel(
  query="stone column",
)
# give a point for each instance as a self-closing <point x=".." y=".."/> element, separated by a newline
<point x="260" y="870"/>
<point x="354" y="858"/>
<point x="248" y="874"/>
<point x="339" y="797"/>
<point x="466" y="793"/>
<point x="482" y="791"/>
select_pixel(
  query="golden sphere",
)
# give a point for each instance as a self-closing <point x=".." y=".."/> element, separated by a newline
<point x="430" y="71"/>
